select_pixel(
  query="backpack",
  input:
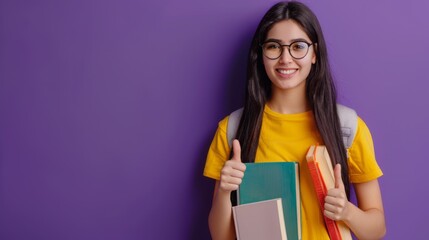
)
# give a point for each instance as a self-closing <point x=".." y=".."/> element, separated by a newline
<point x="348" y="121"/>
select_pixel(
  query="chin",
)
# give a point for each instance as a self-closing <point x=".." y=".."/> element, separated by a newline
<point x="288" y="85"/>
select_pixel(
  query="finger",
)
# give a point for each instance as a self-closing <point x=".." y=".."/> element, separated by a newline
<point x="234" y="181"/>
<point x="229" y="183"/>
<point x="337" y="175"/>
<point x="238" y="174"/>
<point x="331" y="200"/>
<point x="340" y="201"/>
<point x="233" y="169"/>
<point x="330" y="215"/>
<point x="236" y="165"/>
<point x="236" y="148"/>
<point x="336" y="193"/>
<point x="330" y="208"/>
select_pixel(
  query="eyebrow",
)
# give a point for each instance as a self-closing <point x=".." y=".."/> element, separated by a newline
<point x="291" y="41"/>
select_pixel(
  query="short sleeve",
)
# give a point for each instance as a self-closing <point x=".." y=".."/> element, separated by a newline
<point x="363" y="166"/>
<point x="218" y="152"/>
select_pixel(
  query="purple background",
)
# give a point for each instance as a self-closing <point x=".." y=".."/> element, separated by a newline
<point x="107" y="109"/>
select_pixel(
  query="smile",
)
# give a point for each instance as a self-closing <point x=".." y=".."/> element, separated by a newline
<point x="289" y="71"/>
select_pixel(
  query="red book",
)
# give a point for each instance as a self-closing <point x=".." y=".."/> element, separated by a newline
<point x="322" y="173"/>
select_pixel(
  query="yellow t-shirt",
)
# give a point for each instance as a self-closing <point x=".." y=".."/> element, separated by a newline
<point x="287" y="137"/>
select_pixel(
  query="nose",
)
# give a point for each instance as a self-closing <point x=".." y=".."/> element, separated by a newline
<point x="285" y="57"/>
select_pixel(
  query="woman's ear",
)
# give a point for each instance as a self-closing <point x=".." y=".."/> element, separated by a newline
<point x="313" y="59"/>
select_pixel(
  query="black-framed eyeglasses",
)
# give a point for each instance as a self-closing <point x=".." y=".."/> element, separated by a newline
<point x="274" y="49"/>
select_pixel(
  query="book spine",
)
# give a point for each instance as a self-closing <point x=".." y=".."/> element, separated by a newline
<point x="321" y="192"/>
<point x="237" y="231"/>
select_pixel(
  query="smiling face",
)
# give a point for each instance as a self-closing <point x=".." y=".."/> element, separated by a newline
<point x="286" y="73"/>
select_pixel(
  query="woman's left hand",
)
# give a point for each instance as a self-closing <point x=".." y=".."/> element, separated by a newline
<point x="336" y="203"/>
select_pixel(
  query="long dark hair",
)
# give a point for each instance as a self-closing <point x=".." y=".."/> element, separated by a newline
<point x="320" y="89"/>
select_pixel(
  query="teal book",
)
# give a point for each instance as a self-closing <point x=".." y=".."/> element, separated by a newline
<point x="266" y="181"/>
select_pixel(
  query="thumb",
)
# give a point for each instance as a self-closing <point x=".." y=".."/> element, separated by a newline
<point x="236" y="148"/>
<point x="337" y="175"/>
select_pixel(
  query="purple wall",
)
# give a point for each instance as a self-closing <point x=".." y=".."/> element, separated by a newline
<point x="107" y="109"/>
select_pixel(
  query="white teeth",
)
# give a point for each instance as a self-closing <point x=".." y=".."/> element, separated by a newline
<point x="287" y="71"/>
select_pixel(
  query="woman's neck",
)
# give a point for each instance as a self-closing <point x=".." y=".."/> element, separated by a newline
<point x="288" y="102"/>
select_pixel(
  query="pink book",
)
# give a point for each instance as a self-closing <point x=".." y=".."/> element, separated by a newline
<point x="260" y="220"/>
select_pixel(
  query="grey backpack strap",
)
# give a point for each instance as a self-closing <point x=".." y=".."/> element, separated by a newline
<point x="348" y="120"/>
<point x="233" y="122"/>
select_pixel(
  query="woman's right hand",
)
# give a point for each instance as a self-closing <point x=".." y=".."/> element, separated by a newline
<point x="232" y="172"/>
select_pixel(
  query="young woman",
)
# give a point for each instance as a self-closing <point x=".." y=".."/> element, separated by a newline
<point x="290" y="105"/>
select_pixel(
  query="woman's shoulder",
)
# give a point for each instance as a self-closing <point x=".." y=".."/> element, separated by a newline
<point x="363" y="129"/>
<point x="362" y="162"/>
<point x="223" y="124"/>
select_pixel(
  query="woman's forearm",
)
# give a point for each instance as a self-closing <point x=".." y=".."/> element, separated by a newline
<point x="368" y="224"/>
<point x="221" y="222"/>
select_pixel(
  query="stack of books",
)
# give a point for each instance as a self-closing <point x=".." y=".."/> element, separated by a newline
<point x="273" y="186"/>
<point x="269" y="204"/>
